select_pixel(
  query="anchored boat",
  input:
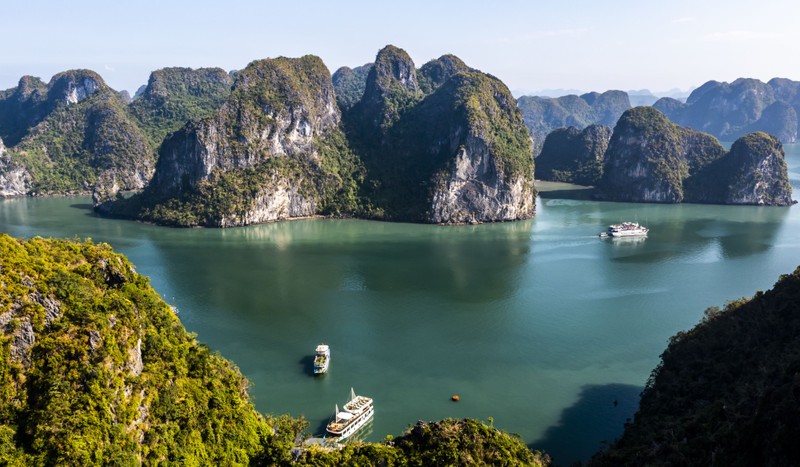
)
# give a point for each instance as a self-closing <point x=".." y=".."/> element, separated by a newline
<point x="322" y="359"/>
<point x="356" y="413"/>
<point x="626" y="229"/>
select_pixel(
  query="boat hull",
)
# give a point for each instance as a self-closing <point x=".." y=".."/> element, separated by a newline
<point x="350" y="429"/>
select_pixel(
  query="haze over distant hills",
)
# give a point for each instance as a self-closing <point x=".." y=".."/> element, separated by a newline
<point x="544" y="114"/>
<point x="729" y="110"/>
<point x="674" y="93"/>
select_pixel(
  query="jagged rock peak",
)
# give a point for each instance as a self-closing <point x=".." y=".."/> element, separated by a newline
<point x="350" y="84"/>
<point x="28" y="85"/>
<point x="14" y="180"/>
<point x="391" y="89"/>
<point x="649" y="158"/>
<point x="290" y="83"/>
<point x="759" y="173"/>
<point x="139" y="91"/>
<point x="434" y="73"/>
<point x="73" y="86"/>
<point x="278" y="107"/>
<point x="191" y="80"/>
<point x="393" y="66"/>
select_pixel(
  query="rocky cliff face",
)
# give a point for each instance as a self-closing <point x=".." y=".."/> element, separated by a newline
<point x="574" y="156"/>
<point x="14" y="180"/>
<point x="267" y="150"/>
<point x="544" y="114"/>
<point x="759" y="174"/>
<point x="174" y="96"/>
<point x="650" y="159"/>
<point x="74" y="86"/>
<point x="753" y="172"/>
<point x="730" y="110"/>
<point x="278" y="107"/>
<point x="71" y="133"/>
<point x="485" y="181"/>
<point x="459" y="154"/>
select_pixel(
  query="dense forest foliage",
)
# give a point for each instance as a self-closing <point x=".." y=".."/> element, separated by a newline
<point x="174" y="96"/>
<point x="727" y="392"/>
<point x="411" y="123"/>
<point x="574" y="156"/>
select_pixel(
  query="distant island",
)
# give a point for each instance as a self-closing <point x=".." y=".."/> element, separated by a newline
<point x="647" y="158"/>
<point x="75" y="134"/>
<point x="545" y="114"/>
<point x="731" y="110"/>
<point x="444" y="143"/>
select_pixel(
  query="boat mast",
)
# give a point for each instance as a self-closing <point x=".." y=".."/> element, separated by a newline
<point x="352" y="394"/>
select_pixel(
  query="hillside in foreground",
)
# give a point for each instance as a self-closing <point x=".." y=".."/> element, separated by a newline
<point x="96" y="369"/>
<point x="727" y="392"/>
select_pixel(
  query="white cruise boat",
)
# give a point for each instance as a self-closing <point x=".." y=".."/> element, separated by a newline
<point x="357" y="412"/>
<point x="626" y="229"/>
<point x="322" y="359"/>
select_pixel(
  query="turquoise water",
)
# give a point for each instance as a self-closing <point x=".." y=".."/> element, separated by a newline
<point x="539" y="324"/>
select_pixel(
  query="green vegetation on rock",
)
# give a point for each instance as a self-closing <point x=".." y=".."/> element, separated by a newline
<point x="349" y="85"/>
<point x="273" y="150"/>
<point x="434" y="73"/>
<point x="410" y="143"/>
<point x="725" y="392"/>
<point x="651" y="159"/>
<point x="174" y="96"/>
<point x="83" y="132"/>
<point x="445" y="443"/>
<point x="731" y="110"/>
<point x="278" y="149"/>
<point x="544" y="114"/>
<point x="96" y="369"/>
<point x="574" y="156"/>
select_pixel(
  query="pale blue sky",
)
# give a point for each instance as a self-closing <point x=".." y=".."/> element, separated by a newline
<point x="531" y="45"/>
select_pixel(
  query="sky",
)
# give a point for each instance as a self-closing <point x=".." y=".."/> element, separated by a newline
<point x="530" y="45"/>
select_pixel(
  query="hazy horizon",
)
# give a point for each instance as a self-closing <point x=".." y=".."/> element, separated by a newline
<point x="531" y="46"/>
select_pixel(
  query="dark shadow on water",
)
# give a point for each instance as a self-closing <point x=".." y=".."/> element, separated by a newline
<point x="319" y="431"/>
<point x="568" y="193"/>
<point x="307" y="363"/>
<point x="596" y="419"/>
<point x="90" y="212"/>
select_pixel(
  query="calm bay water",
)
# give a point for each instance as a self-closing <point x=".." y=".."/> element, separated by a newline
<point x="539" y="324"/>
